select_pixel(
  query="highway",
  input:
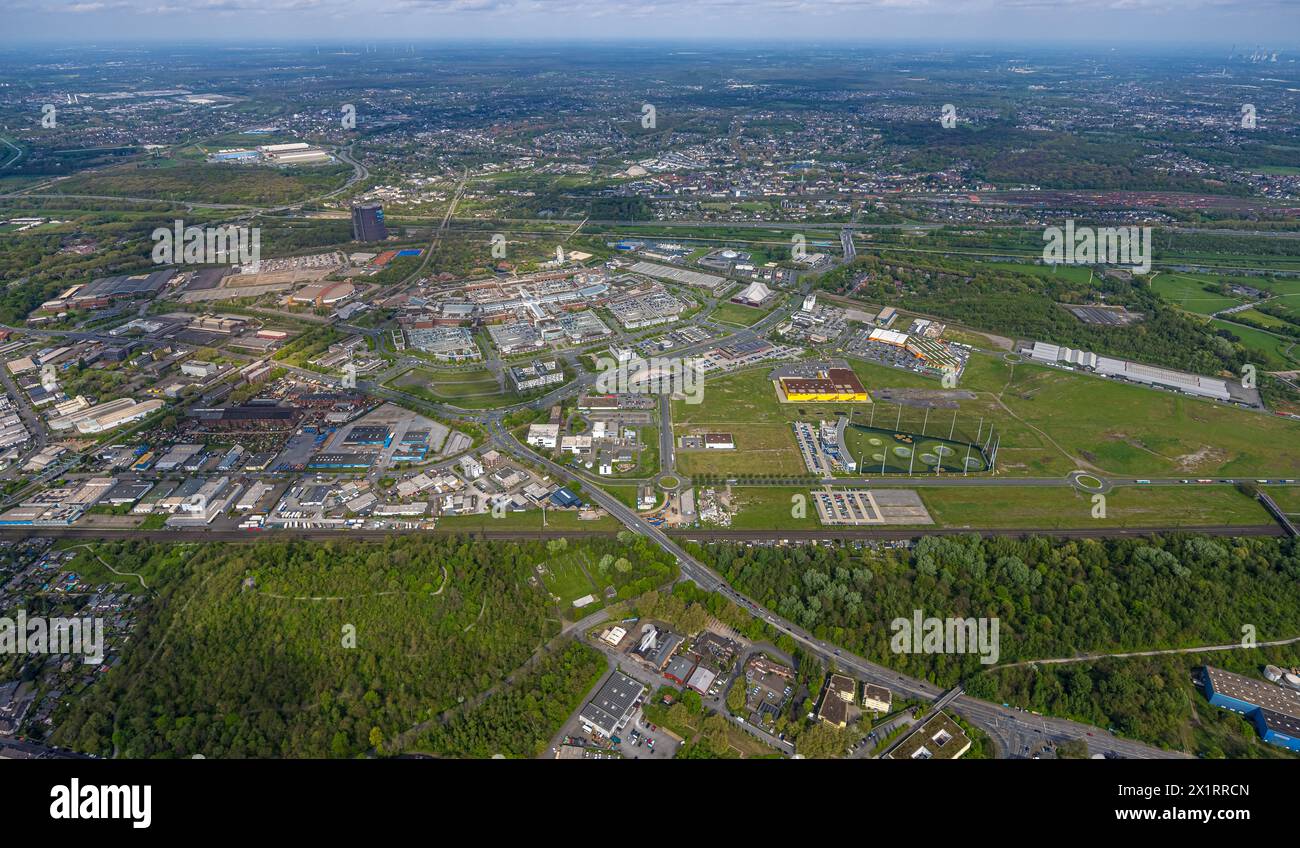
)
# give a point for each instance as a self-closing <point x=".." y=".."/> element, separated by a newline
<point x="1006" y="726"/>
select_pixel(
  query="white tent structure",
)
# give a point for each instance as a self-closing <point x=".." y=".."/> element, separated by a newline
<point x="756" y="293"/>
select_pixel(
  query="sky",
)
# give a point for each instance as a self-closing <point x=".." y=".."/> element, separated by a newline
<point x="1272" y="24"/>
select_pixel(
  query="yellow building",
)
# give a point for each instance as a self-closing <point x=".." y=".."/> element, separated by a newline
<point x="835" y="385"/>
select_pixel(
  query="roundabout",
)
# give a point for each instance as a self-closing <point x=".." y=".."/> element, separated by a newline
<point x="1090" y="483"/>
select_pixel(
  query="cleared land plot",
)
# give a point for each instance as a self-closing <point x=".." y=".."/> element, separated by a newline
<point x="760" y="449"/>
<point x="773" y="507"/>
<point x="528" y="520"/>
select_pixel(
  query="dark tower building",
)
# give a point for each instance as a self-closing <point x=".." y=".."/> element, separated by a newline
<point x="368" y="222"/>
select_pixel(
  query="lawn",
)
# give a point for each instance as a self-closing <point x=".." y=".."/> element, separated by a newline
<point x="567" y="577"/>
<point x="742" y="316"/>
<point x="773" y="507"/>
<point x="473" y="389"/>
<point x="1188" y="291"/>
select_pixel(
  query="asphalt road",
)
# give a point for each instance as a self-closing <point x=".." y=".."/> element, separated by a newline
<point x="1004" y="725"/>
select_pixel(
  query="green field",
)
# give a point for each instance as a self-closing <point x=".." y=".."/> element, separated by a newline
<point x="741" y="316"/>
<point x="1275" y="353"/>
<point x="773" y="507"/>
<point x="1126" y="429"/>
<point x="567" y="576"/>
<point x="1073" y="273"/>
<point x="1051" y="422"/>
<point x="1287" y="497"/>
<point x="181" y="179"/>
<point x="1188" y="291"/>
<point x="1052" y="508"/>
<point x="473" y="389"/>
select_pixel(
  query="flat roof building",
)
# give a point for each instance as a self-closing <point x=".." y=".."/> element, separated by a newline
<point x="832" y="385"/>
<point x="608" y="712"/>
<point x="368" y="222"/>
<point x="1274" y="710"/>
<point x="939" y="738"/>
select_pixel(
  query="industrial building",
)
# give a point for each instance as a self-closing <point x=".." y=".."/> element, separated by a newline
<point x="608" y="712"/>
<point x="536" y="375"/>
<point x="831" y="385"/>
<point x="1192" y="384"/>
<point x="324" y="294"/>
<point x="105" y="416"/>
<point x="446" y="344"/>
<point x="368" y="222"/>
<point x="543" y="435"/>
<point x="1273" y="709"/>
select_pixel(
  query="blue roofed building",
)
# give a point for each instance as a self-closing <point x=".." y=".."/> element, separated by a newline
<point x="565" y="498"/>
<point x="1273" y="709"/>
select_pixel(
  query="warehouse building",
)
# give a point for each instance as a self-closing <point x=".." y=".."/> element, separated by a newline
<point x="1136" y="372"/>
<point x="106" y="416"/>
<point x="1274" y="710"/>
<point x="609" y="711"/>
<point x="831" y="385"/>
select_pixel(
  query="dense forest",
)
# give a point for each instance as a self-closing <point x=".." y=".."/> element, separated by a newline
<point x="321" y="649"/>
<point x="1052" y="598"/>
<point x="213" y="183"/>
<point x="520" y="720"/>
